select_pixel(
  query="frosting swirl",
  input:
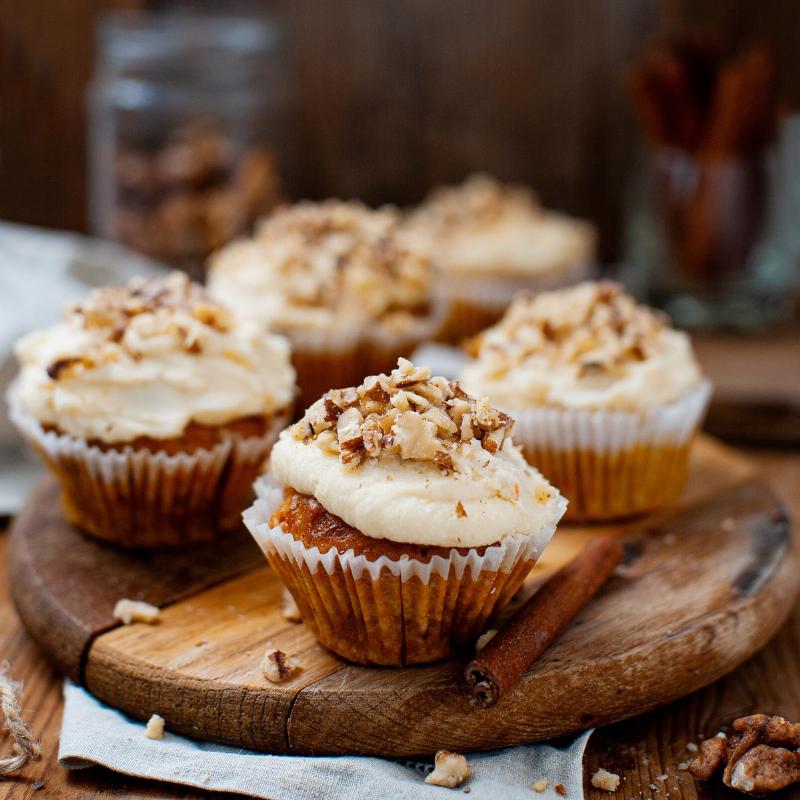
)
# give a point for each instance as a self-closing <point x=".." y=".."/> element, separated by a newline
<point x="412" y="458"/>
<point x="485" y="226"/>
<point x="320" y="266"/>
<point x="148" y="359"/>
<point x="589" y="346"/>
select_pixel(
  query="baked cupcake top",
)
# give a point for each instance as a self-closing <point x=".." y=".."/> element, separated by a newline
<point x="486" y="226"/>
<point x="412" y="458"/>
<point x="325" y="266"/>
<point x="148" y="359"/>
<point x="589" y="346"/>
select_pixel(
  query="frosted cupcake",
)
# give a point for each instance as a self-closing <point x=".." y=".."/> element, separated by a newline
<point x="492" y="240"/>
<point x="607" y="396"/>
<point x="341" y="281"/>
<point x="401" y="517"/>
<point x="155" y="408"/>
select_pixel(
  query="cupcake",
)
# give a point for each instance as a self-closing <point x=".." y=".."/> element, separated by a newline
<point x="607" y="396"/>
<point x="401" y="517"/>
<point x="341" y="281"/>
<point x="155" y="408"/>
<point x="492" y="240"/>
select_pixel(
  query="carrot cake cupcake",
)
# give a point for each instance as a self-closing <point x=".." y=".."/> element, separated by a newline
<point x="606" y="394"/>
<point x="401" y="517"/>
<point x="342" y="281"/>
<point x="155" y="408"/>
<point x="492" y="240"/>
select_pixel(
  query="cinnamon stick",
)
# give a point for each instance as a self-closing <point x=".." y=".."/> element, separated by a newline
<point x="498" y="668"/>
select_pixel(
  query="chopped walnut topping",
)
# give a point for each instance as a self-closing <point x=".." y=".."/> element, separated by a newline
<point x="607" y="781"/>
<point x="594" y="328"/>
<point x="761" y="756"/>
<point x="409" y="414"/>
<point x="155" y="727"/>
<point x="130" y="611"/>
<point x="460" y="510"/>
<point x="277" y="666"/>
<point x="450" y="770"/>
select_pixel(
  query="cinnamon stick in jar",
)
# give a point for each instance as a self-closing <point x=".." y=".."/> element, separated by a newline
<point x="497" y="669"/>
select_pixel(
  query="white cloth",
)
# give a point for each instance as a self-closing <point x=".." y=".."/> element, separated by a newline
<point x="93" y="733"/>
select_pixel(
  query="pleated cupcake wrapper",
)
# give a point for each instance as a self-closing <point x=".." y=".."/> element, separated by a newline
<point x="139" y="498"/>
<point x="613" y="463"/>
<point x="391" y="611"/>
<point x="337" y="358"/>
<point x="477" y="301"/>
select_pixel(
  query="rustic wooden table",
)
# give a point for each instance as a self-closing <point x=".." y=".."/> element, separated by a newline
<point x="643" y="750"/>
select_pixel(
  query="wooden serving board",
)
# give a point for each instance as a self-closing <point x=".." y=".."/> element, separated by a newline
<point x="706" y="584"/>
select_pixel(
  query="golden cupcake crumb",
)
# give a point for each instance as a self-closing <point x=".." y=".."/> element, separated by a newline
<point x="130" y="611"/>
<point x="450" y="770"/>
<point x="155" y="727"/>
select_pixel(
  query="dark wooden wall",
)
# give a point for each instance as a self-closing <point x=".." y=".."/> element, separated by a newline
<point x="392" y="97"/>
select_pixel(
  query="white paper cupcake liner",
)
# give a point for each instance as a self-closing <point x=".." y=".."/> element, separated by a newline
<point x="499" y="557"/>
<point x="391" y="611"/>
<point x="612" y="431"/>
<point x="140" y="498"/>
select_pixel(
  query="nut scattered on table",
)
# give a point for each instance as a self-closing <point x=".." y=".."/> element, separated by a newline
<point x="605" y="780"/>
<point x="289" y="609"/>
<point x="130" y="611"/>
<point x="277" y="666"/>
<point x="484" y="639"/>
<point x="450" y="770"/>
<point x="761" y="756"/>
<point x="155" y="727"/>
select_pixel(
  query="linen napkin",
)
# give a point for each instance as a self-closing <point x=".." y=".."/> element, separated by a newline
<point x="93" y="733"/>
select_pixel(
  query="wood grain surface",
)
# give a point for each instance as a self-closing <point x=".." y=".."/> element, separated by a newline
<point x="65" y="585"/>
<point x="706" y="585"/>
<point x="640" y="749"/>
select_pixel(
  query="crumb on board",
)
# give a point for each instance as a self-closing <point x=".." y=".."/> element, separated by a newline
<point x="603" y="779"/>
<point x="277" y="666"/>
<point x="155" y="727"/>
<point x="450" y="770"/>
<point x="662" y="778"/>
<point x="683" y="766"/>
<point x="129" y="611"/>
<point x="289" y="609"/>
<point x="484" y="639"/>
<point x="540" y="785"/>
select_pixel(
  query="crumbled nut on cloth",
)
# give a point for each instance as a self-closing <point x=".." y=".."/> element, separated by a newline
<point x="129" y="611"/>
<point x="761" y="756"/>
<point x="540" y="785"/>
<point x="155" y="727"/>
<point x="407" y="413"/>
<point x="450" y="770"/>
<point x="603" y="779"/>
<point x="277" y="666"/>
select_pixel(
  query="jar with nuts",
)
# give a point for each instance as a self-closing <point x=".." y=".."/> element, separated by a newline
<point x="187" y="114"/>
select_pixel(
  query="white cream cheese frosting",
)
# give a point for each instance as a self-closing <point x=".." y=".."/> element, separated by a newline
<point x="325" y="267"/>
<point x="148" y="359"/>
<point x="483" y="226"/>
<point x="410" y="458"/>
<point x="586" y="347"/>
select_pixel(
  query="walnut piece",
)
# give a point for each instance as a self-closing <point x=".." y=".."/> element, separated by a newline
<point x="408" y="414"/>
<point x="450" y="770"/>
<point x="130" y="611"/>
<point x="761" y="756"/>
<point x="277" y="666"/>
<point x="605" y="780"/>
<point x="289" y="609"/>
<point x="155" y="727"/>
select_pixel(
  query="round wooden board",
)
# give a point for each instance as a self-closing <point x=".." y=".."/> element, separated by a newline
<point x="707" y="583"/>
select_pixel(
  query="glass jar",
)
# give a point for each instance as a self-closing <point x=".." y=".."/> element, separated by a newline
<point x="187" y="113"/>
